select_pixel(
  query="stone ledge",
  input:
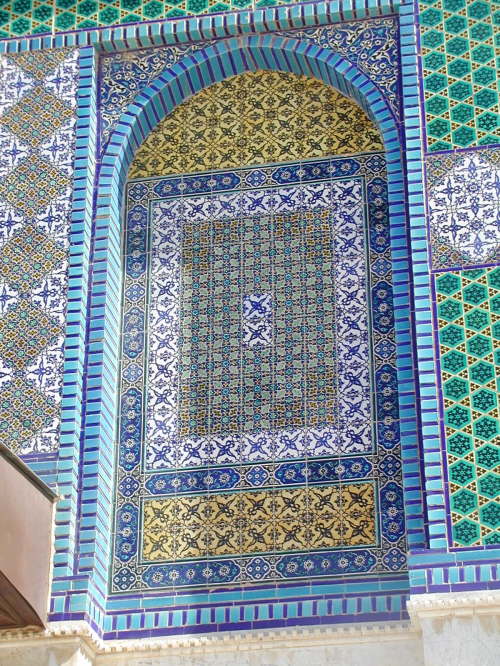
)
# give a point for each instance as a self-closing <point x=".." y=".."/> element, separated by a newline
<point x="63" y="632"/>
<point x="485" y="602"/>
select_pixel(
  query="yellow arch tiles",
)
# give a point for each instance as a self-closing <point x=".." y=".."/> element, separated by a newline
<point x="256" y="118"/>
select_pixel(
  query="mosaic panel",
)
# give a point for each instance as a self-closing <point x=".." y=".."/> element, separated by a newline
<point x="459" y="43"/>
<point x="37" y="121"/>
<point x="372" y="45"/>
<point x="267" y="116"/>
<point x="307" y="418"/>
<point x="468" y="310"/>
<point x="464" y="208"/>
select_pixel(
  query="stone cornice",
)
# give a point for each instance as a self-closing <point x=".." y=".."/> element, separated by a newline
<point x="79" y="632"/>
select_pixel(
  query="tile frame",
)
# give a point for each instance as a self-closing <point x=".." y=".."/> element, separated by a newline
<point x="83" y="593"/>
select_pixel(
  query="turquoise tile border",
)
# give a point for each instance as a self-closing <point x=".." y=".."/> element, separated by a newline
<point x="68" y="475"/>
<point x="177" y="31"/>
<point x="431" y="463"/>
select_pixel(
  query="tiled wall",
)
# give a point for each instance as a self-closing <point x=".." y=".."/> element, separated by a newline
<point x="461" y="224"/>
<point x="82" y="540"/>
<point x="179" y="619"/>
<point x="451" y="111"/>
<point x="459" y="51"/>
<point x="271" y="390"/>
<point x="468" y="304"/>
<point x="464" y="216"/>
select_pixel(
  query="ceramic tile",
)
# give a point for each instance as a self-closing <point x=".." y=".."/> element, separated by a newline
<point x="464" y="208"/>
<point x="37" y="134"/>
<point x="199" y="135"/>
<point x="468" y="306"/>
<point x="458" y="41"/>
<point x="372" y="46"/>
<point x="290" y="253"/>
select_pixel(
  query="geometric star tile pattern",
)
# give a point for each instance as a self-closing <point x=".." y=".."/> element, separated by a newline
<point x="458" y="41"/>
<point x="26" y="17"/>
<point x="468" y="311"/>
<point x="37" y="123"/>
<point x="464" y="207"/>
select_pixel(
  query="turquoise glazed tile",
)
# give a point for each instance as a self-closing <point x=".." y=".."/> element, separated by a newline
<point x="459" y="40"/>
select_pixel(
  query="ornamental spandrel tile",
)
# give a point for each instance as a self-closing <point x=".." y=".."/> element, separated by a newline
<point x="36" y="116"/>
<point x="126" y="73"/>
<point x="371" y="45"/>
<point x="24" y="413"/>
<point x="27" y="257"/>
<point x="32" y="185"/>
<point x="25" y="331"/>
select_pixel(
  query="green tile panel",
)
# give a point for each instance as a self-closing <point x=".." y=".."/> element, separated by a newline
<point x="31" y="17"/>
<point x="460" y="47"/>
<point x="468" y="311"/>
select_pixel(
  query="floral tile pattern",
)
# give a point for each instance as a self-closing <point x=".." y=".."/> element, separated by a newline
<point x="459" y="44"/>
<point x="372" y="45"/>
<point x="37" y="121"/>
<point x="468" y="310"/>
<point x="257" y="318"/>
<point x="464" y="208"/>
<point x="288" y="520"/>
<point x="273" y="116"/>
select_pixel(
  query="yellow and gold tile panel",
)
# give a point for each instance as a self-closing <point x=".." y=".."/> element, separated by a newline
<point x="293" y="519"/>
<point x="255" y="118"/>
